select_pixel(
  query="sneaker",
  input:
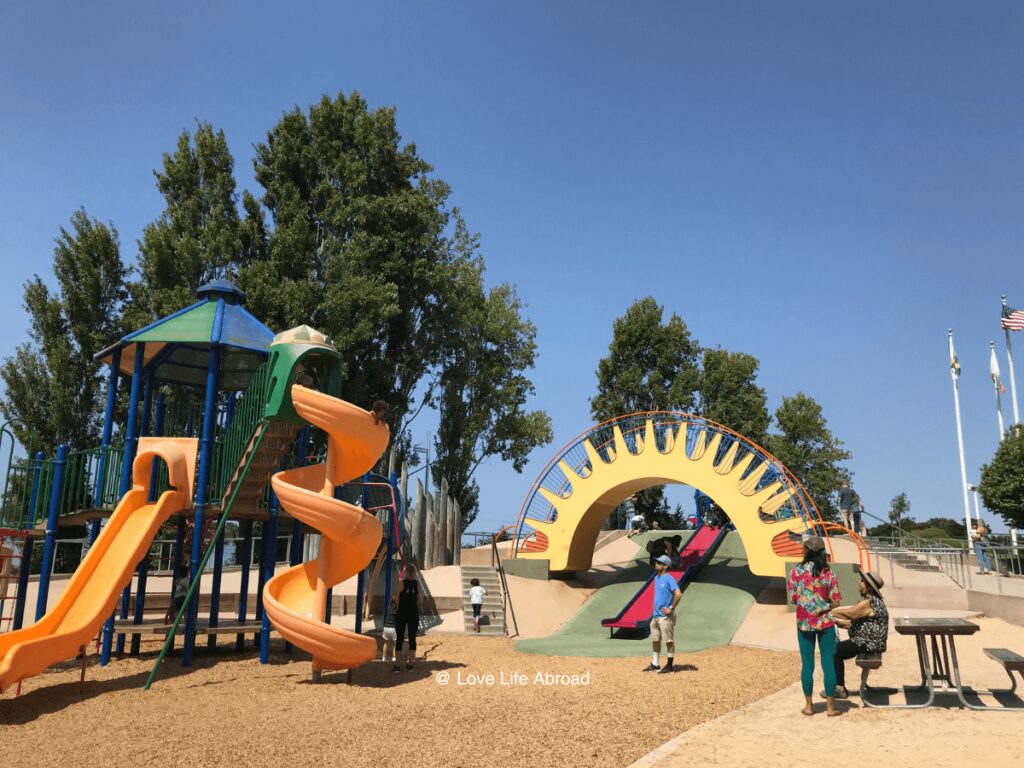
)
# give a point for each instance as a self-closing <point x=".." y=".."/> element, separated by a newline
<point x="396" y="668"/>
<point x="650" y="668"/>
<point x="408" y="667"/>
<point x="666" y="670"/>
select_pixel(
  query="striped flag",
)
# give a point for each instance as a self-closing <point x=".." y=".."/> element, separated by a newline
<point x="993" y="368"/>
<point x="1013" y="319"/>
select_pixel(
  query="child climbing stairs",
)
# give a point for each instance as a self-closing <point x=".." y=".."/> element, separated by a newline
<point x="492" y="615"/>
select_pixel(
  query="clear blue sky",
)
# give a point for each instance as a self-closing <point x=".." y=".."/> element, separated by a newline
<point x="825" y="186"/>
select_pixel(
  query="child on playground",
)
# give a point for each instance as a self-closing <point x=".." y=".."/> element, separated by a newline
<point x="181" y="582"/>
<point x="390" y="633"/>
<point x="476" y="599"/>
<point x="663" y="619"/>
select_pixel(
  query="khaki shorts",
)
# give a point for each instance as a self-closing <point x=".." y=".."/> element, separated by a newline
<point x="663" y="630"/>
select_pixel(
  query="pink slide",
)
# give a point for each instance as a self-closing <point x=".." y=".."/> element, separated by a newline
<point x="637" y="612"/>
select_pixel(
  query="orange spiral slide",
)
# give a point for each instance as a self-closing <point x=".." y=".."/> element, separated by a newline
<point x="295" y="601"/>
<point x="90" y="596"/>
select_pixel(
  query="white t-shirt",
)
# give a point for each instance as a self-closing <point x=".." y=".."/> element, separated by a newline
<point x="476" y="594"/>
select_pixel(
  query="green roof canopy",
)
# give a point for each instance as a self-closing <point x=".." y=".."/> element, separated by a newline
<point x="177" y="347"/>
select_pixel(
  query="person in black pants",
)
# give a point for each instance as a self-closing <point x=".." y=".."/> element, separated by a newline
<point x="868" y="624"/>
<point x="407" y="617"/>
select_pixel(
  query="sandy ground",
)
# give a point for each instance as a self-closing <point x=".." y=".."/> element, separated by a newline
<point x="772" y="733"/>
<point x="230" y="710"/>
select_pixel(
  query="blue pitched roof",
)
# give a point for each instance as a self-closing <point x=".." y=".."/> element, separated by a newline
<point x="178" y="346"/>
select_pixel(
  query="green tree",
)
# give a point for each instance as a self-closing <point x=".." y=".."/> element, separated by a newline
<point x="807" y="447"/>
<point x="362" y="245"/>
<point x="482" y="390"/>
<point x="651" y="365"/>
<point x="729" y="393"/>
<point x="1002" y="481"/>
<point x="200" y="235"/>
<point x="52" y="386"/>
<point x="899" y="509"/>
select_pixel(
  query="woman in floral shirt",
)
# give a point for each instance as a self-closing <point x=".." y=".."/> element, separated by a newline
<point x="813" y="588"/>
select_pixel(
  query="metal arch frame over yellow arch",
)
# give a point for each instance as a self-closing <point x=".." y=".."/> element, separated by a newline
<point x="731" y="473"/>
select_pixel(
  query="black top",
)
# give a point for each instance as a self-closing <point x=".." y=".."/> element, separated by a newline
<point x="935" y="627"/>
<point x="408" y="597"/>
<point x="872" y="632"/>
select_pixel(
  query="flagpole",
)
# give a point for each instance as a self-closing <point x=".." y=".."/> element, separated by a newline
<point x="996" y="383"/>
<point x="954" y="373"/>
<point x="1013" y="380"/>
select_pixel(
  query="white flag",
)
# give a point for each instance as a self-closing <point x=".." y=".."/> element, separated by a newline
<point x="993" y="368"/>
<point x="954" y="362"/>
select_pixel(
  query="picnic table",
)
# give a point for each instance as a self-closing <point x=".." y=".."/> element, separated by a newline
<point x="936" y="654"/>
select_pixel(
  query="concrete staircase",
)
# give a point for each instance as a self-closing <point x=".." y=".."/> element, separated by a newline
<point x="492" y="617"/>
<point x="912" y="561"/>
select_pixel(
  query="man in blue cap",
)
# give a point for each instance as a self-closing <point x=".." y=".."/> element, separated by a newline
<point x="663" y="618"/>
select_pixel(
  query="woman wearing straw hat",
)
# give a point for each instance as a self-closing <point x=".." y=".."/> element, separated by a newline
<point x="813" y="588"/>
<point x="868" y="623"/>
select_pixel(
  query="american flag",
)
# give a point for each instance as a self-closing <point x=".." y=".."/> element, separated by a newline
<point x="1013" y="319"/>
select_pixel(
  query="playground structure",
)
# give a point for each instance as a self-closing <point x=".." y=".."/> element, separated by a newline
<point x="273" y="443"/>
<point x="249" y="425"/>
<point x="580" y="488"/>
<point x="90" y="596"/>
<point x="636" y="613"/>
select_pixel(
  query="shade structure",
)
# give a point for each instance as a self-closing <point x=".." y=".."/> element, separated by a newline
<point x="177" y="347"/>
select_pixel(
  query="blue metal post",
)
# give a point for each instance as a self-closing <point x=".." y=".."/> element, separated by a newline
<point x="140" y="601"/>
<point x="131" y="439"/>
<point x="142" y="569"/>
<point x="261" y="578"/>
<point x="19" y="602"/>
<point x="108" y="426"/>
<point x="126" y="597"/>
<point x="50" y="542"/>
<point x="269" y="561"/>
<point x="243" y="590"/>
<point x="218" y="568"/>
<point x="131" y="442"/>
<point x="26" y="557"/>
<point x="178" y="556"/>
<point x="205" y="461"/>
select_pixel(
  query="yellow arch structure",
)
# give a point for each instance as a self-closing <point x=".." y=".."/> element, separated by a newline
<point x="588" y="498"/>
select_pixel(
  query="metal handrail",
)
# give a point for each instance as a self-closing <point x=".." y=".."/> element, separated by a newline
<point x="506" y="599"/>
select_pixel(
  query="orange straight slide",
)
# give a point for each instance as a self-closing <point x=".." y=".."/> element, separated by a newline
<point x="90" y="596"/>
<point x="295" y="600"/>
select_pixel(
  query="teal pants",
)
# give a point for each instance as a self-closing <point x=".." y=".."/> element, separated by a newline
<point x="827" y="644"/>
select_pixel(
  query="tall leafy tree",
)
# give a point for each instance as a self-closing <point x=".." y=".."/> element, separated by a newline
<point x="52" y="386"/>
<point x="1002" y="481"/>
<point x="806" y="445"/>
<point x="200" y="234"/>
<point x="652" y="365"/>
<point x="482" y="389"/>
<point x="729" y="393"/>
<point x="361" y="244"/>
